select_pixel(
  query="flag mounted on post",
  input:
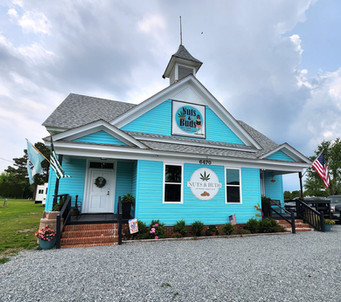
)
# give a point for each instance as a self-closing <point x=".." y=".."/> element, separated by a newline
<point x="55" y="164"/>
<point x="321" y="168"/>
<point x="33" y="162"/>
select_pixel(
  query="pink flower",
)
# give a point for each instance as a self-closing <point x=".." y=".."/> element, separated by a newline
<point x="156" y="237"/>
<point x="155" y="225"/>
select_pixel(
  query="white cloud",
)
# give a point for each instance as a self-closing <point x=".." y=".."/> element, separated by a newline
<point x="12" y="13"/>
<point x="34" y="21"/>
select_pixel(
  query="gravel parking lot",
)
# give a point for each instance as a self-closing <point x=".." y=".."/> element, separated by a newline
<point x="292" y="267"/>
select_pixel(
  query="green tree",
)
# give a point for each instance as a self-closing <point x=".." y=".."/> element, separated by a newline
<point x="14" y="181"/>
<point x="314" y="184"/>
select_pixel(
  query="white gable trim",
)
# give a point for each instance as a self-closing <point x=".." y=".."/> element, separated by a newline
<point x="290" y="151"/>
<point x="172" y="90"/>
<point x="96" y="126"/>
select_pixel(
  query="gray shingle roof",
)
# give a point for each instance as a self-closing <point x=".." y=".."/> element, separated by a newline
<point x="195" y="146"/>
<point x="183" y="53"/>
<point x="77" y="110"/>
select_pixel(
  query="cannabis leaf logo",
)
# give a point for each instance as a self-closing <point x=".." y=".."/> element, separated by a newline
<point x="205" y="177"/>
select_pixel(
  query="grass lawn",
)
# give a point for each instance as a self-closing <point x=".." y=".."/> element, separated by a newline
<point x="19" y="220"/>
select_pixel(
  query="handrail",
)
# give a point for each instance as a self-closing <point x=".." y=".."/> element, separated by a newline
<point x="119" y="219"/>
<point x="292" y="216"/>
<point x="65" y="213"/>
<point x="310" y="215"/>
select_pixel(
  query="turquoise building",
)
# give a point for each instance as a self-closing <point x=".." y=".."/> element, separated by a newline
<point x="180" y="153"/>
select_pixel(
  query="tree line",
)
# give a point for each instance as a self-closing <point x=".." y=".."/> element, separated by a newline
<point x="14" y="180"/>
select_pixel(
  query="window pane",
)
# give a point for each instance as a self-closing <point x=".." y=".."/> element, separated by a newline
<point x="97" y="165"/>
<point x="173" y="174"/>
<point x="232" y="177"/>
<point x="232" y="194"/>
<point x="172" y="192"/>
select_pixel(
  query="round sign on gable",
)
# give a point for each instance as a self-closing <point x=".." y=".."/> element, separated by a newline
<point x="204" y="184"/>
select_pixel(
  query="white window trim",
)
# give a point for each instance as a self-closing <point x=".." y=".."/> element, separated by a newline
<point x="240" y="185"/>
<point x="164" y="184"/>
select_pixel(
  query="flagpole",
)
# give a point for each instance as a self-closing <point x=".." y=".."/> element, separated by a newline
<point x="38" y="150"/>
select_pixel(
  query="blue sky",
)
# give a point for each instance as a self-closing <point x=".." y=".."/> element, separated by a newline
<point x="273" y="64"/>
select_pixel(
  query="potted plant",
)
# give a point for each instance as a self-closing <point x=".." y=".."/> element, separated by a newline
<point x="328" y="224"/>
<point x="211" y="231"/>
<point x="46" y="236"/>
<point x="127" y="201"/>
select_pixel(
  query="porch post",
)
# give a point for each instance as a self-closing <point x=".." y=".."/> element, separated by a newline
<point x="301" y="187"/>
<point x="56" y="187"/>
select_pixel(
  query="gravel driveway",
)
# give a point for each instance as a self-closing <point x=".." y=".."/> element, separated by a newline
<point x="301" y="267"/>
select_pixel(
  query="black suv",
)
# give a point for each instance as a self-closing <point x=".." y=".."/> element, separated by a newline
<point x="335" y="207"/>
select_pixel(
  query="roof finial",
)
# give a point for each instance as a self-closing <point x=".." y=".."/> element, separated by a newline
<point x="180" y="32"/>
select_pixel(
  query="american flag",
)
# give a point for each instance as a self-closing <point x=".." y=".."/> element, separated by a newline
<point x="321" y="168"/>
<point x="232" y="219"/>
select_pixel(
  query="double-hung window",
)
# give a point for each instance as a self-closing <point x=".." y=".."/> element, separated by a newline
<point x="233" y="186"/>
<point x="173" y="183"/>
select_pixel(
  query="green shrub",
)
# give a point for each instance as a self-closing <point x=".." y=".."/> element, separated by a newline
<point x="244" y="231"/>
<point x="269" y="225"/>
<point x="180" y="227"/>
<point x="157" y="229"/>
<point x="228" y="228"/>
<point x="197" y="227"/>
<point x="252" y="225"/>
<point x="143" y="231"/>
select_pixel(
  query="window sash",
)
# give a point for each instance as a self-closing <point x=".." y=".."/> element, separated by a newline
<point x="173" y="178"/>
<point x="233" y="185"/>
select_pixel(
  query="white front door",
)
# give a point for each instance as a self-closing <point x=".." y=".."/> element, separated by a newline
<point x="100" y="197"/>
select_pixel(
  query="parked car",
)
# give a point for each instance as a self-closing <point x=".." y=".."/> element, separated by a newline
<point x="320" y="204"/>
<point x="335" y="207"/>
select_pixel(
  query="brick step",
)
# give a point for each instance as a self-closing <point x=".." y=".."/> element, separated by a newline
<point x="300" y="229"/>
<point x="96" y="226"/>
<point x="84" y="235"/>
<point x="88" y="233"/>
<point x="89" y="240"/>
<point x="300" y="226"/>
<point x="88" y="245"/>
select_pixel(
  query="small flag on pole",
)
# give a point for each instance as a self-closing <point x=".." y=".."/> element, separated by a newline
<point x="321" y="168"/>
<point x="33" y="162"/>
<point x="55" y="165"/>
<point x="232" y="219"/>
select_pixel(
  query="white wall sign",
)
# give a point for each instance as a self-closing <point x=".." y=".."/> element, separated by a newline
<point x="188" y="119"/>
<point x="204" y="184"/>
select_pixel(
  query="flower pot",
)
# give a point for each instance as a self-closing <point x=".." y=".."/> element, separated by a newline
<point x="327" y="227"/>
<point x="126" y="207"/>
<point x="46" y="245"/>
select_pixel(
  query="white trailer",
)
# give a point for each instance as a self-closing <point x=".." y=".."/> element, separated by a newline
<point x="41" y="193"/>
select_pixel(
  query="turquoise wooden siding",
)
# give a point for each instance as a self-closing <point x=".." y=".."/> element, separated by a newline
<point x="159" y="121"/>
<point x="124" y="180"/>
<point x="217" y="131"/>
<point x="149" y="202"/>
<point x="149" y="191"/>
<point x="279" y="155"/>
<point x="156" y="121"/>
<point x="99" y="137"/>
<point x="73" y="186"/>
<point x="274" y="190"/>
